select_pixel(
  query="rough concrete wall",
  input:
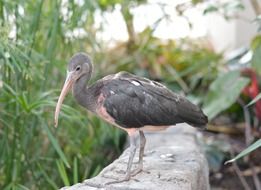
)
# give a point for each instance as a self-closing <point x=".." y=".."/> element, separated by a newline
<point x="173" y="161"/>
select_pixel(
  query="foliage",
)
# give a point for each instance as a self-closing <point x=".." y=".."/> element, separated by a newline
<point x="258" y="97"/>
<point x="33" y="50"/>
<point x="183" y="65"/>
<point x="223" y="92"/>
<point x="256" y="63"/>
<point x="36" y="39"/>
<point x="251" y="121"/>
<point x="245" y="152"/>
<point x="224" y="8"/>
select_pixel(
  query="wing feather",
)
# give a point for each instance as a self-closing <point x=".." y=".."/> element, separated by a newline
<point x="147" y="102"/>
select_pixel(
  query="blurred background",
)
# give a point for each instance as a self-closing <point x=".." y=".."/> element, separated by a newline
<point x="208" y="50"/>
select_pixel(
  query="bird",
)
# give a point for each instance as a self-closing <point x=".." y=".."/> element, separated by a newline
<point x="129" y="102"/>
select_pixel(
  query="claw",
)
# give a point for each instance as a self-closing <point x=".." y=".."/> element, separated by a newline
<point x="136" y="171"/>
<point x="126" y="178"/>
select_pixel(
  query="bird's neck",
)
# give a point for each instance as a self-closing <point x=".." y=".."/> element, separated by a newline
<point x="82" y="93"/>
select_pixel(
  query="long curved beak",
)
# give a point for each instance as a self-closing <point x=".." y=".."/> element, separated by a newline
<point x="66" y="88"/>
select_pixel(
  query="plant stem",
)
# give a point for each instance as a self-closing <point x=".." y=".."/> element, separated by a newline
<point x="255" y="177"/>
<point x="240" y="176"/>
<point x="128" y="17"/>
<point x="256" y="7"/>
<point x="2" y="12"/>
<point x="248" y="136"/>
<point x="249" y="139"/>
<point x="35" y="25"/>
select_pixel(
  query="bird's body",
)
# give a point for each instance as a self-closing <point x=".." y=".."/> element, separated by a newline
<point x="129" y="102"/>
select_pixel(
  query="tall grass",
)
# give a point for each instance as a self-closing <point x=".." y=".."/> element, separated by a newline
<point x="32" y="69"/>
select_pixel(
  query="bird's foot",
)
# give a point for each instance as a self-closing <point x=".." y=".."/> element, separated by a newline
<point x="117" y="180"/>
<point x="138" y="170"/>
<point x="132" y="173"/>
<point x="127" y="177"/>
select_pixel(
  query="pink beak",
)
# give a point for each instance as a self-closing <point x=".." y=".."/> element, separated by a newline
<point x="66" y="88"/>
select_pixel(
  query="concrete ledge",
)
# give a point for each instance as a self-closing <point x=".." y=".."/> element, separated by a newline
<point x="173" y="161"/>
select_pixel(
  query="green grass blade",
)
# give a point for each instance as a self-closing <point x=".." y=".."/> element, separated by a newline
<point x="63" y="173"/>
<point x="75" y="170"/>
<point x="22" y="187"/>
<point x="249" y="149"/>
<point x="56" y="145"/>
<point x="96" y="170"/>
<point x="258" y="97"/>
<point x="48" y="179"/>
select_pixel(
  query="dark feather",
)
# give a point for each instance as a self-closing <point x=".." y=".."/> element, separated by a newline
<point x="134" y="102"/>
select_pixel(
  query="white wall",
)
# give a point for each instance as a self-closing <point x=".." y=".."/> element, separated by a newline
<point x="229" y="35"/>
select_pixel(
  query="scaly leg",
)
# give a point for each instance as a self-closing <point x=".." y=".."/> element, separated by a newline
<point x="133" y="144"/>
<point x="141" y="154"/>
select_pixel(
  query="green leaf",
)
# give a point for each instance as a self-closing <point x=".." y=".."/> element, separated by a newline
<point x="234" y="6"/>
<point x="258" y="97"/>
<point x="48" y="178"/>
<point x="196" y="1"/>
<point x="56" y="145"/>
<point x="22" y="187"/>
<point x="210" y="9"/>
<point x="63" y="173"/>
<point x="223" y="92"/>
<point x="256" y="59"/>
<point x="75" y="170"/>
<point x="249" y="149"/>
<point x="256" y="41"/>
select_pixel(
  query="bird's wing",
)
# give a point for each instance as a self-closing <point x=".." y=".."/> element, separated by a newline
<point x="134" y="102"/>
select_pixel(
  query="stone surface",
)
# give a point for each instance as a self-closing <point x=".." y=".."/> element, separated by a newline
<point x="173" y="161"/>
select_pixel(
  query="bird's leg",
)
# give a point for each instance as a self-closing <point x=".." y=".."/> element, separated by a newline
<point x="141" y="154"/>
<point x="132" y="149"/>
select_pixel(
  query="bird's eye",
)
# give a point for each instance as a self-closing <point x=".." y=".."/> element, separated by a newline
<point x="78" y="68"/>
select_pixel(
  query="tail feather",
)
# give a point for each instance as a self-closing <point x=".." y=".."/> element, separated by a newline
<point x="192" y="115"/>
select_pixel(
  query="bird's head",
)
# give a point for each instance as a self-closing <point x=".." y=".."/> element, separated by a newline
<point x="79" y="65"/>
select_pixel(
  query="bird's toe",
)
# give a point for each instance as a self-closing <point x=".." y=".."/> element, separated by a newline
<point x="126" y="178"/>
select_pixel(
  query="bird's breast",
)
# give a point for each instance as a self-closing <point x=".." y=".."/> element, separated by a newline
<point x="101" y="110"/>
